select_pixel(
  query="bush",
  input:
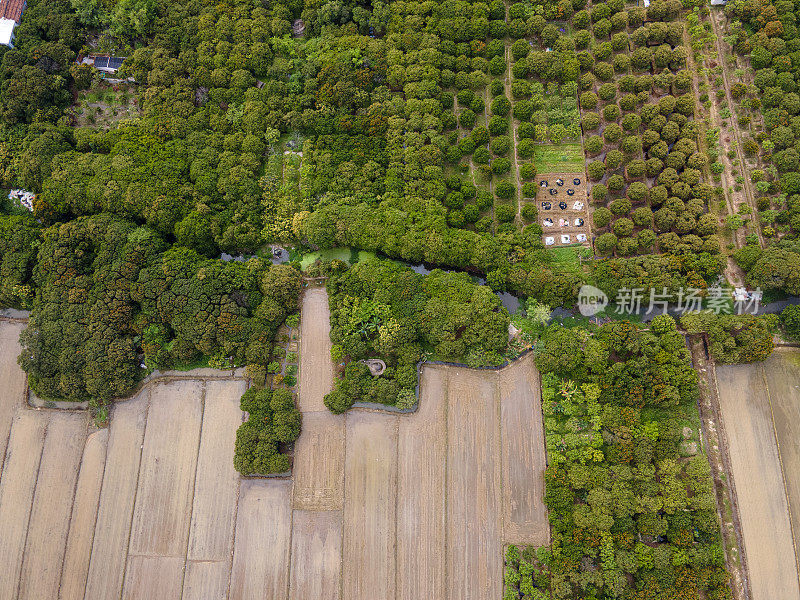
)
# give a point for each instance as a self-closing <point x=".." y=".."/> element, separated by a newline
<point x="529" y="211"/>
<point x="272" y="418"/>
<point x="500" y="145"/>
<point x="606" y="243"/>
<point x="505" y="189"/>
<point x="504" y="213"/>
<point x="501" y="166"/>
<point x="790" y="321"/>
<point x="601" y="217"/>
<point x="501" y="106"/>
<point x="498" y="125"/>
<point x="527" y="171"/>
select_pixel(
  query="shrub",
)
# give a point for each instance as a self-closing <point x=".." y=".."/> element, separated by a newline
<point x="526" y="148"/>
<point x="500" y="145"/>
<point x="527" y="171"/>
<point x="500" y="166"/>
<point x="467" y="119"/>
<point x="530" y="212"/>
<point x="596" y="170"/>
<point x="481" y="156"/>
<point x="498" y="125"/>
<point x="790" y="321"/>
<point x="601" y="217"/>
<point x="504" y="212"/>
<point x="272" y="418"/>
<point x="606" y="243"/>
<point x="505" y="189"/>
<point x="501" y="106"/>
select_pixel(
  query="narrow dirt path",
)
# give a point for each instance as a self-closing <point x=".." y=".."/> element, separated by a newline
<point x="514" y="160"/>
<point x="716" y="449"/>
<point x="747" y="185"/>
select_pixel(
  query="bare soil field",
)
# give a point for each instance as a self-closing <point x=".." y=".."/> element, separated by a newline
<point x="782" y="373"/>
<point x="144" y="509"/>
<point x="379" y="505"/>
<point x="316" y="563"/>
<point x="524" y="513"/>
<point x="421" y="499"/>
<point x="263" y="536"/>
<point x="370" y="504"/>
<point x="756" y="464"/>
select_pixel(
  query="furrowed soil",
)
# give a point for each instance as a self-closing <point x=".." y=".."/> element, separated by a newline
<point x="391" y="506"/>
<point x="757" y="472"/>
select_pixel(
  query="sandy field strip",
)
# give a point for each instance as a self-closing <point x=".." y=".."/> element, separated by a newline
<point x="421" y="498"/>
<point x="112" y="532"/>
<point x="52" y="506"/>
<point x="83" y="517"/>
<point x="319" y="462"/>
<point x="316" y="367"/>
<point x="153" y="578"/>
<point x="524" y="460"/>
<point x="261" y="548"/>
<point x="12" y="380"/>
<point x="782" y="372"/>
<point x="316" y="563"/>
<point x="216" y="487"/>
<point x="206" y="580"/>
<point x="763" y="508"/>
<point x="167" y="474"/>
<point x="474" y="536"/>
<point x="17" y="487"/>
<point x="370" y="507"/>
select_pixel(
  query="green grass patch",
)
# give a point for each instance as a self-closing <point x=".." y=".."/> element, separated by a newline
<point x="344" y="254"/>
<point x="558" y="158"/>
<point x="568" y="258"/>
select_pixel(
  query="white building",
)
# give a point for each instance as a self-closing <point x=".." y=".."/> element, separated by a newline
<point x="7" y="32"/>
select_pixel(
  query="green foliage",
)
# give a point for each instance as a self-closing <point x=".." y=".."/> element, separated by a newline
<point x="272" y="420"/>
<point x="383" y="310"/>
<point x="111" y="290"/>
<point x="733" y="338"/>
<point x="615" y="488"/>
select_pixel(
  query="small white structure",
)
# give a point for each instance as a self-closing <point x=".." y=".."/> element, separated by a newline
<point x="578" y="205"/>
<point x="549" y="241"/>
<point x="578" y="222"/>
<point x="581" y="237"/>
<point x="24" y="197"/>
<point x="547" y="222"/>
<point x="563" y="222"/>
<point x="7" y="32"/>
<point x="566" y="239"/>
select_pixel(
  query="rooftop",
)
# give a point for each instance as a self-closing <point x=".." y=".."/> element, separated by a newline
<point x="12" y="9"/>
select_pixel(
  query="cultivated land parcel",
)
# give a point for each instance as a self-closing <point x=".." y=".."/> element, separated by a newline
<point x="379" y="505"/>
<point x="761" y="413"/>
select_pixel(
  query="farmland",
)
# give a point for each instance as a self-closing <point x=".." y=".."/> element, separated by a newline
<point x="379" y="505"/>
<point x="760" y="408"/>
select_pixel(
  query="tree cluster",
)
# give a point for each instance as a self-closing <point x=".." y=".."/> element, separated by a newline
<point x="380" y="309"/>
<point x="632" y="515"/>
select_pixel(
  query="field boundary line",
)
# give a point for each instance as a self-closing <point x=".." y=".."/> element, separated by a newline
<point x="72" y="512"/>
<point x="135" y="493"/>
<point x="498" y="393"/>
<point x="30" y="508"/>
<point x="446" y="482"/>
<point x="194" y="485"/>
<point x="783" y="472"/>
<point x="724" y="453"/>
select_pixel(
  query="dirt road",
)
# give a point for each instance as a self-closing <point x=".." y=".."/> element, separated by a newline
<point x="756" y="463"/>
